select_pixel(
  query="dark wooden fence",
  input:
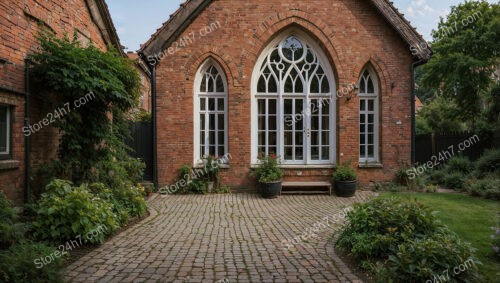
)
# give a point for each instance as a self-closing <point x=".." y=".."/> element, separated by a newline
<point x="141" y="142"/>
<point x="455" y="144"/>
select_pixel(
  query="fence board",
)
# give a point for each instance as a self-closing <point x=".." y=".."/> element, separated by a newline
<point x="141" y="143"/>
<point x="429" y="145"/>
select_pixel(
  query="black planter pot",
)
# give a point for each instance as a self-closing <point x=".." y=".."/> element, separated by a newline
<point x="345" y="188"/>
<point x="270" y="190"/>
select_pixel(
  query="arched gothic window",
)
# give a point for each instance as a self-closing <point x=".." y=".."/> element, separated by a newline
<point x="368" y="117"/>
<point x="293" y="104"/>
<point x="210" y="111"/>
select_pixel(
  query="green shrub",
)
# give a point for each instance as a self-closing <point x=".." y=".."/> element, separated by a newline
<point x="489" y="188"/>
<point x="403" y="241"/>
<point x="10" y="230"/>
<point x="66" y="212"/>
<point x="119" y="178"/>
<point x="343" y="173"/>
<point x="459" y="164"/>
<point x="17" y="264"/>
<point x="268" y="170"/>
<point x="100" y="190"/>
<point x="419" y="260"/>
<point x="488" y="163"/>
<point x="437" y="177"/>
<point x="455" y="181"/>
<point x="194" y="185"/>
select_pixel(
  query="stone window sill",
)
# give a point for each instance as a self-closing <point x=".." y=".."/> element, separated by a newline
<point x="300" y="167"/>
<point x="371" y="165"/>
<point x="201" y="166"/>
<point x="9" y="164"/>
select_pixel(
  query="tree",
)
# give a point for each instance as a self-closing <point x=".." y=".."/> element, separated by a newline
<point x="466" y="49"/>
<point x="439" y="115"/>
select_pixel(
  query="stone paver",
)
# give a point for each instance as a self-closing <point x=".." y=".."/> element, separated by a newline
<point x="206" y="238"/>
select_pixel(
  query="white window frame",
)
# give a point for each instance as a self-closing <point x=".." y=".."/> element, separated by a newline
<point x="375" y="96"/>
<point x="8" y="135"/>
<point x="324" y="62"/>
<point x="198" y="159"/>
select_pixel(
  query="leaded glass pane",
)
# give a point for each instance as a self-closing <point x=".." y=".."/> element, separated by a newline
<point x="261" y="86"/>
<point x="262" y="106"/>
<point x="371" y="88"/>
<point x="203" y="102"/>
<point x="220" y="104"/>
<point x="219" y="85"/>
<point x="211" y="104"/>
<point x="272" y="106"/>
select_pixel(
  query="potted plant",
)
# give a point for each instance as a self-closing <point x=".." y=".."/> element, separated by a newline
<point x="344" y="180"/>
<point x="212" y="172"/>
<point x="269" y="175"/>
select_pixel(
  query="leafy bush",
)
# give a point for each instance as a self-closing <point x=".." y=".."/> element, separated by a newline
<point x="268" y="170"/>
<point x="10" y="229"/>
<point x="17" y="255"/>
<point x="403" y="241"/>
<point x="430" y="189"/>
<point x="437" y="177"/>
<point x="489" y="162"/>
<point x="343" y="173"/>
<point x="17" y="264"/>
<point x="119" y="177"/>
<point x="459" y="164"/>
<point x="489" y="188"/>
<point x="455" y="181"/>
<point x="65" y="212"/>
<point x="194" y="185"/>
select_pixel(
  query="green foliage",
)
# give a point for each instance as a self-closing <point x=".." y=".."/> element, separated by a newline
<point x="488" y="163"/>
<point x="268" y="170"/>
<point x="10" y="229"/>
<point x="455" y="181"/>
<point x="140" y="115"/>
<point x="17" y="254"/>
<point x="422" y="126"/>
<point x="193" y="185"/>
<point x="65" y="212"/>
<point x="459" y="164"/>
<point x="121" y="175"/>
<point x="212" y="170"/>
<point x="223" y="190"/>
<point x="465" y="55"/>
<point x="440" y="114"/>
<point x="437" y="177"/>
<point x="344" y="172"/>
<point x="17" y="264"/>
<point x="488" y="188"/>
<point x="66" y="72"/>
<point x="404" y="179"/>
<point x="403" y="241"/>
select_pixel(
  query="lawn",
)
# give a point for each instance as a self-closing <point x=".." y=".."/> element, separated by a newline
<point x="469" y="217"/>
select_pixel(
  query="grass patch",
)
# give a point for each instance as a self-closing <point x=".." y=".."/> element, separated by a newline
<point x="469" y="217"/>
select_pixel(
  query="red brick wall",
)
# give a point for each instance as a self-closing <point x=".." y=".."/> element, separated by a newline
<point x="352" y="34"/>
<point x="19" y="24"/>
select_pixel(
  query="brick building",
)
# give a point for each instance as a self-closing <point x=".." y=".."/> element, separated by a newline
<point x="145" y="75"/>
<point x="316" y="82"/>
<point x="20" y="21"/>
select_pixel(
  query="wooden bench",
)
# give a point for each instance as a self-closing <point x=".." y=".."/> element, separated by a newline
<point x="306" y="185"/>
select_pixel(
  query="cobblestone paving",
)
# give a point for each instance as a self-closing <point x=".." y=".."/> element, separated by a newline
<point x="212" y="237"/>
